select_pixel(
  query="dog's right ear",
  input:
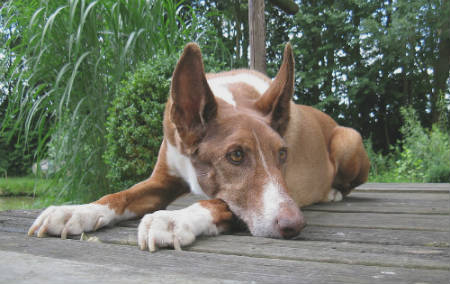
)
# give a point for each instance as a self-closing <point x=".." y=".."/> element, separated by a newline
<point x="275" y="102"/>
<point x="193" y="103"/>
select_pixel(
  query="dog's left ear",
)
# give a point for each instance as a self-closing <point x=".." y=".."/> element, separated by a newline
<point x="193" y="103"/>
<point x="275" y="102"/>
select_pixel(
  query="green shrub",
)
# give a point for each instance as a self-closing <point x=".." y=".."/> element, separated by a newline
<point x="421" y="156"/>
<point x="18" y="153"/>
<point x="383" y="167"/>
<point x="378" y="163"/>
<point x="425" y="155"/>
<point x="15" y="160"/>
<point x="134" y="125"/>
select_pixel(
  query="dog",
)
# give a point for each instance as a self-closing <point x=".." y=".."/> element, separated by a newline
<point x="237" y="138"/>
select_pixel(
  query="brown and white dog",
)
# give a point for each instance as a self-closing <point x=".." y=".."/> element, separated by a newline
<point x="237" y="138"/>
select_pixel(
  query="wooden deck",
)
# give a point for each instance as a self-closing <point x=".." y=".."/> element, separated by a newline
<point x="382" y="233"/>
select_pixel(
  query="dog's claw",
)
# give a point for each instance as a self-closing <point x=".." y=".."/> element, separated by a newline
<point x="143" y="246"/>
<point x="151" y="243"/>
<point x="43" y="229"/>
<point x="32" y="230"/>
<point x="176" y="243"/>
<point x="174" y="228"/>
<point x="99" y="223"/>
<point x="64" y="233"/>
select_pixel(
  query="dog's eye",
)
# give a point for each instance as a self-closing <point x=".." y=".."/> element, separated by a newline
<point x="235" y="157"/>
<point x="282" y="154"/>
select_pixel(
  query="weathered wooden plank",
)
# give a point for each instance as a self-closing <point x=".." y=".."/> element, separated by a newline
<point x="201" y="265"/>
<point x="314" y="233"/>
<point x="376" y="236"/>
<point x="358" y="202"/>
<point x="444" y="185"/>
<point x="304" y="250"/>
<point x="378" y="203"/>
<point x="32" y="214"/>
<point x="330" y="252"/>
<point x="369" y="202"/>
<point x="439" y="223"/>
<point x="25" y="268"/>
<point x="405" y="187"/>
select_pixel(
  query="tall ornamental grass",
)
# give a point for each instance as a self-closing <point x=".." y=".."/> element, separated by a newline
<point x="69" y="57"/>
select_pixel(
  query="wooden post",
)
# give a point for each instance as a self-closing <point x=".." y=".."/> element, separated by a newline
<point x="257" y="32"/>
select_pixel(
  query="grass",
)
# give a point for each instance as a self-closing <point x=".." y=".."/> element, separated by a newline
<point x="389" y="177"/>
<point x="23" y="186"/>
<point x="23" y="192"/>
<point x="29" y="193"/>
<point x="16" y="203"/>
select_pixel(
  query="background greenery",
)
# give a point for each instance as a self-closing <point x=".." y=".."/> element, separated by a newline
<point x="422" y="156"/>
<point x="134" y="128"/>
<point x="83" y="82"/>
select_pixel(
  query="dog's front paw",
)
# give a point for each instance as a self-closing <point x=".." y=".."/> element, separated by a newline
<point x="334" y="195"/>
<point x="71" y="220"/>
<point x="175" y="228"/>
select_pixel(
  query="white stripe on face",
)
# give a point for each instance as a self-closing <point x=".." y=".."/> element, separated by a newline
<point x="263" y="160"/>
<point x="273" y="196"/>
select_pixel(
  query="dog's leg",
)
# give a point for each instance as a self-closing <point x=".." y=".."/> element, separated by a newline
<point x="350" y="160"/>
<point x="150" y="195"/>
<point x="178" y="228"/>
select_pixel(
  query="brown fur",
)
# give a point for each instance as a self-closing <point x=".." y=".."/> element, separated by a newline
<point x="222" y="216"/>
<point x="150" y="195"/>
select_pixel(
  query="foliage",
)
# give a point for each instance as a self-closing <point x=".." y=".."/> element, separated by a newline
<point x="23" y="192"/>
<point x="425" y="155"/>
<point x="380" y="164"/>
<point x="68" y="59"/>
<point x="14" y="157"/>
<point x="361" y="61"/>
<point x="422" y="156"/>
<point x="225" y="26"/>
<point x="30" y="186"/>
<point x="134" y="126"/>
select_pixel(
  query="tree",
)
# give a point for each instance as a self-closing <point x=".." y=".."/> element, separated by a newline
<point x="360" y="61"/>
<point x="441" y="66"/>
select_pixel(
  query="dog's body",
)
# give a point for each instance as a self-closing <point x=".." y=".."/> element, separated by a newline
<point x="238" y="138"/>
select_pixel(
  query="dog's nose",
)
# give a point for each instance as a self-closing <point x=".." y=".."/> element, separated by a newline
<point x="290" y="222"/>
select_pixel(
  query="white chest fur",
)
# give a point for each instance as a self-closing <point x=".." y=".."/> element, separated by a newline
<point x="181" y="166"/>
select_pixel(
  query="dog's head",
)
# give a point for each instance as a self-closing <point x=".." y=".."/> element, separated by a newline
<point x="234" y="140"/>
